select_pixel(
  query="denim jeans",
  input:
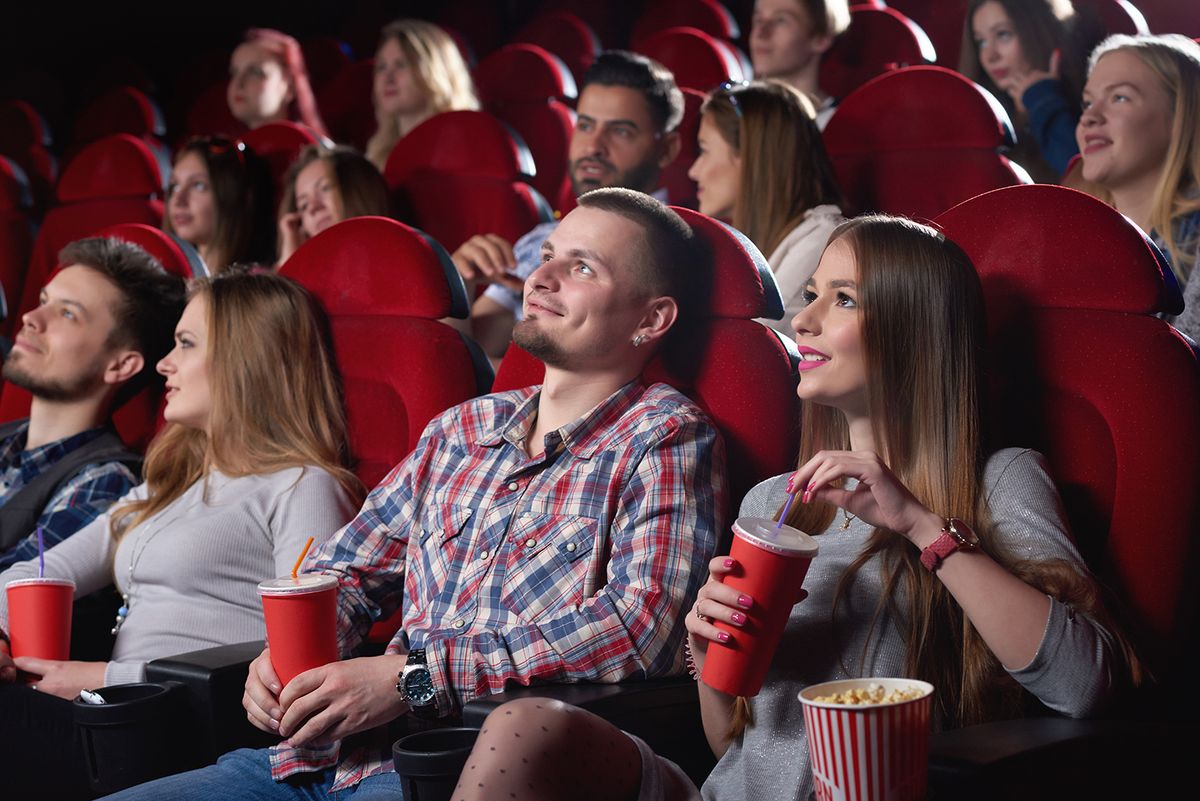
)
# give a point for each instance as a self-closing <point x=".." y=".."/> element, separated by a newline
<point x="246" y="774"/>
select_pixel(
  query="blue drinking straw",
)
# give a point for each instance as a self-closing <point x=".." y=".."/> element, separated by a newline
<point x="784" y="513"/>
<point x="41" y="553"/>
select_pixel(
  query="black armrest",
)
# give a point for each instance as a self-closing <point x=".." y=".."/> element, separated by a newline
<point x="215" y="679"/>
<point x="663" y="712"/>
<point x="1056" y="758"/>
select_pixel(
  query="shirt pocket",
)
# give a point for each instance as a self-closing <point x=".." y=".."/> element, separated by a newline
<point x="550" y="564"/>
<point x="442" y="553"/>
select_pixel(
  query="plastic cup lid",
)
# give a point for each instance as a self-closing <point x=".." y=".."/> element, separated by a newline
<point x="304" y="583"/>
<point x="766" y="534"/>
<point x="31" y="582"/>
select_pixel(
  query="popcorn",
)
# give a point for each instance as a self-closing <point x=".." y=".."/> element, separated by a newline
<point x="872" y="694"/>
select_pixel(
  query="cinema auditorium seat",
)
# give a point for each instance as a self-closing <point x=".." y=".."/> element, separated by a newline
<point x="877" y="41"/>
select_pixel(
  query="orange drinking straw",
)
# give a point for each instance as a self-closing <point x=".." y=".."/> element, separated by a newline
<point x="303" y="554"/>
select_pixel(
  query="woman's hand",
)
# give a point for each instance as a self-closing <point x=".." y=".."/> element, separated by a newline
<point x="64" y="679"/>
<point x="715" y="601"/>
<point x="1017" y="82"/>
<point x="879" y="499"/>
<point x="291" y="235"/>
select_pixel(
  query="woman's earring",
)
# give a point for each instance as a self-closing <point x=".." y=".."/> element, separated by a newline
<point x="639" y="340"/>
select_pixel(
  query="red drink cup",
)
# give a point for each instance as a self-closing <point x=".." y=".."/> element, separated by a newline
<point x="301" y="615"/>
<point x="39" y="617"/>
<point x="866" y="752"/>
<point x="772" y="563"/>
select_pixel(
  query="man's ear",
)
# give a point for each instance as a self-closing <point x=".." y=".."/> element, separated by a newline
<point x="660" y="314"/>
<point x="822" y="43"/>
<point x="671" y="145"/>
<point x="122" y="366"/>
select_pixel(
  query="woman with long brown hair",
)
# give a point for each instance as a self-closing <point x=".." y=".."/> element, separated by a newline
<point x="936" y="562"/>
<point x="252" y="462"/>
<point x="762" y="167"/>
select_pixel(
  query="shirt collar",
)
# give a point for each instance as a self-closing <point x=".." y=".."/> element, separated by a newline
<point x="582" y="436"/>
<point x="36" y="459"/>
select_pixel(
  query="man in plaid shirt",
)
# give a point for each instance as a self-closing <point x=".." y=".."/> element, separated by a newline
<point x="553" y="533"/>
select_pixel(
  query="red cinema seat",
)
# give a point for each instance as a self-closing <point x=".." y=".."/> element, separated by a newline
<point x="1085" y="372"/>
<point x="525" y="87"/>
<point x="279" y="143"/>
<point x="346" y="104"/>
<point x="919" y="140"/>
<point x="385" y="287"/>
<point x="459" y="174"/>
<point x="139" y="418"/>
<point x="120" y="110"/>
<point x="698" y="60"/>
<point x="324" y="58"/>
<point x="566" y="36"/>
<point x="16" y="239"/>
<point x="743" y="374"/>
<point x="210" y="115"/>
<point x="708" y="16"/>
<point x="1115" y="16"/>
<point x="878" y="40"/>
<point x="25" y="138"/>
<point x="942" y="21"/>
<point x="115" y="180"/>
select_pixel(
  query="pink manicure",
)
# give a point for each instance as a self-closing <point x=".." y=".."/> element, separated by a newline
<point x="723" y="636"/>
<point x="738" y="618"/>
<point x="745" y="601"/>
<point x="729" y="562"/>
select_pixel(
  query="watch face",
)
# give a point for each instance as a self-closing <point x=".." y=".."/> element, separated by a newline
<point x="418" y="687"/>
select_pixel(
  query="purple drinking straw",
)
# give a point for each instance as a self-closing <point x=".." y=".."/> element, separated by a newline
<point x="786" y="507"/>
<point x="41" y="553"/>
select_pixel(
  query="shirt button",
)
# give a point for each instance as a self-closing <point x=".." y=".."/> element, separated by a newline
<point x="571" y="547"/>
<point x="483" y="556"/>
<point x="529" y="543"/>
<point x="460" y="623"/>
<point x="513" y="486"/>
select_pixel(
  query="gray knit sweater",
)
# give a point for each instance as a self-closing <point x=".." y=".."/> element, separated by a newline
<point x="196" y="564"/>
<point x="1071" y="671"/>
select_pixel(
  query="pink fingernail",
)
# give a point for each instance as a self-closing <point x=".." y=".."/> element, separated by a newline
<point x="723" y="636"/>
<point x="745" y="601"/>
<point x="738" y="618"/>
<point x="728" y="562"/>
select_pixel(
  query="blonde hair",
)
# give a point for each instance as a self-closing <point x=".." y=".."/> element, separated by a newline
<point x="784" y="168"/>
<point x="1175" y="60"/>
<point x="267" y="349"/>
<point x="440" y="70"/>
<point x="909" y="274"/>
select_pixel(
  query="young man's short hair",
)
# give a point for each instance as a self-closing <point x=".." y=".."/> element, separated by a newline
<point x="152" y="301"/>
<point x="635" y="71"/>
<point x="674" y="261"/>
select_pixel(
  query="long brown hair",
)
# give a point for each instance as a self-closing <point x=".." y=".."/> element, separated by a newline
<point x="784" y="168"/>
<point x="360" y="189"/>
<point x="919" y="293"/>
<point x="267" y="349"/>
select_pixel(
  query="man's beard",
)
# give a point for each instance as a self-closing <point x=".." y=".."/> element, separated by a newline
<point x="527" y="335"/>
<point x="57" y="391"/>
<point x="638" y="177"/>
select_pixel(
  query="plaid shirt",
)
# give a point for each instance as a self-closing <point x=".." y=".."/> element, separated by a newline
<point x="575" y="564"/>
<point x="81" y="499"/>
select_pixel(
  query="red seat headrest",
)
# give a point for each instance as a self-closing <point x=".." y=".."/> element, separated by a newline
<point x="699" y="61"/>
<point x="120" y="165"/>
<point x="521" y="72"/>
<point x="176" y="256"/>
<point x="14" y="186"/>
<point x="121" y="110"/>
<point x="459" y="142"/>
<point x="743" y="285"/>
<point x="878" y="40"/>
<point x="1041" y="241"/>
<point x="376" y="266"/>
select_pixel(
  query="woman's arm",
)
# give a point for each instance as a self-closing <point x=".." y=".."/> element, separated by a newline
<point x="313" y="506"/>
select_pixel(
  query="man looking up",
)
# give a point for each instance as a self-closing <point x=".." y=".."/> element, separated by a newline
<point x="552" y="533"/>
<point x="102" y="323"/>
<point x="625" y="133"/>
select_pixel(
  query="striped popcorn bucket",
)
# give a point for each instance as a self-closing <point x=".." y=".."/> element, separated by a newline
<point x="868" y="752"/>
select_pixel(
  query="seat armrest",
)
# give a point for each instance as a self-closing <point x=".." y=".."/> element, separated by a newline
<point x="663" y="712"/>
<point x="1055" y="758"/>
<point x="215" y="679"/>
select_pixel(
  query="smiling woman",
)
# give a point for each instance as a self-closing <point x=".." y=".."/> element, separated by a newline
<point x="1140" y="138"/>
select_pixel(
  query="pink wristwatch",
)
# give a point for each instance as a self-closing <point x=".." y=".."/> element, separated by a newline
<point x="956" y="536"/>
